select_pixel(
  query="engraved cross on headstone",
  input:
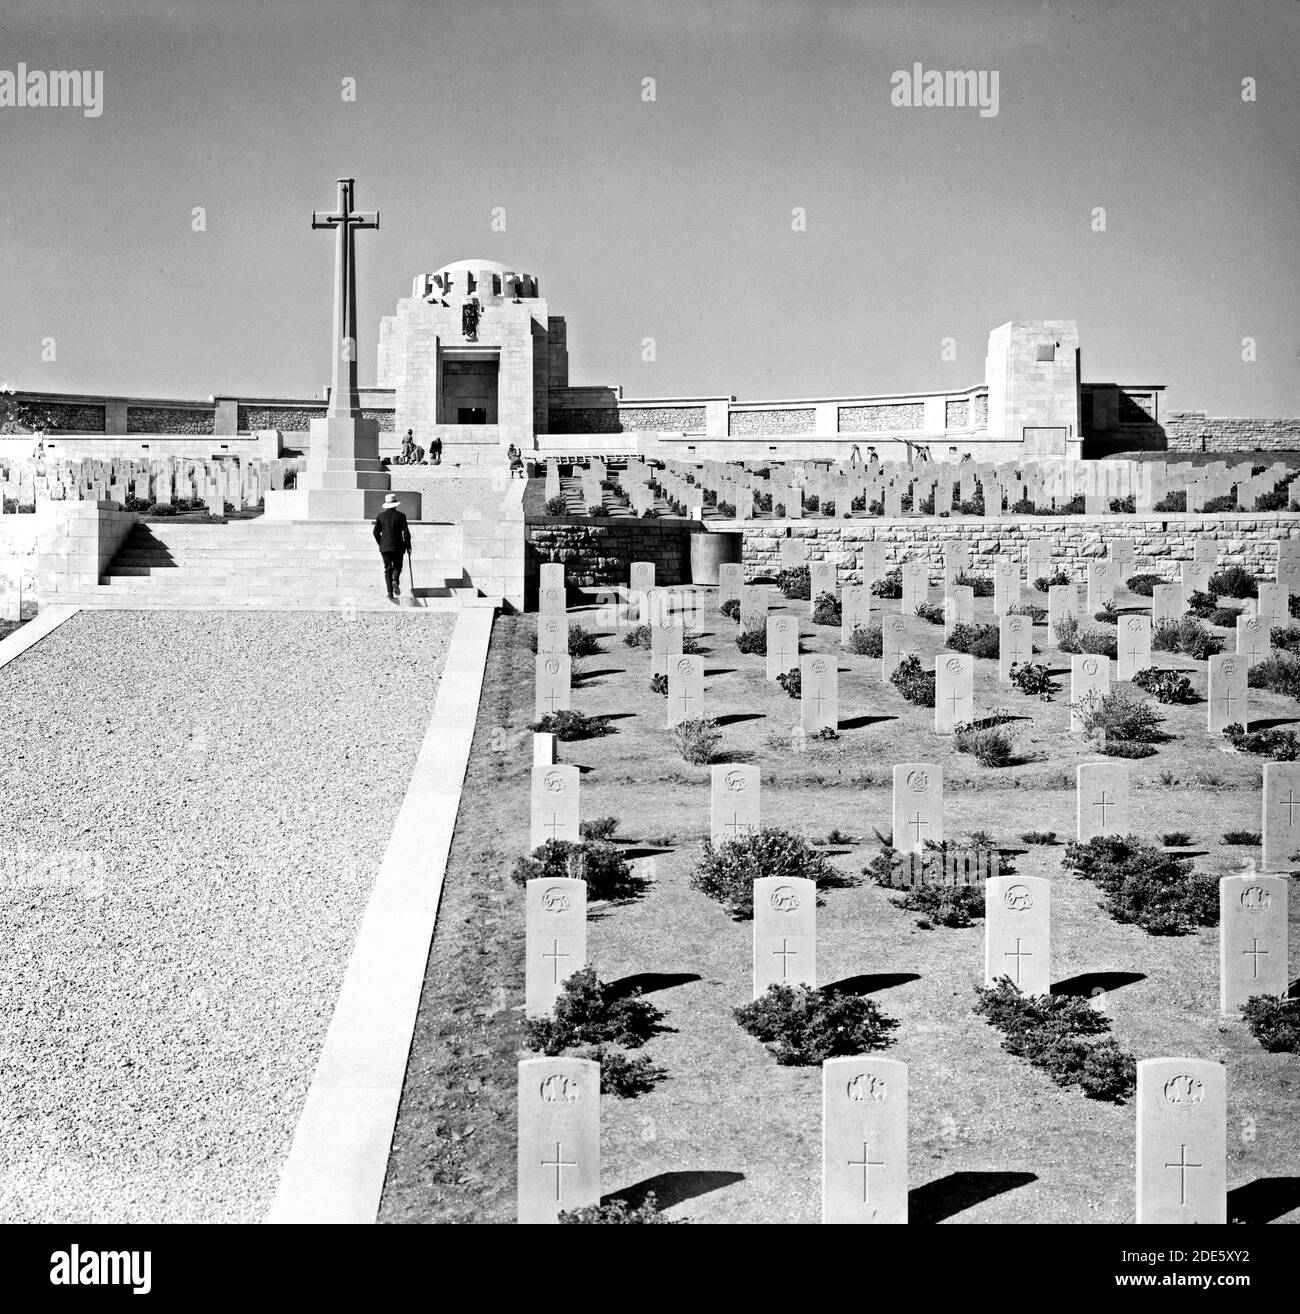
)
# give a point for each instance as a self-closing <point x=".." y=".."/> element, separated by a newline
<point x="866" y="1163"/>
<point x="1290" y="803"/>
<point x="1254" y="954"/>
<point x="559" y="1165"/>
<point x="555" y="955"/>
<point x="1018" y="954"/>
<point x="1182" y="1165"/>
<point x="916" y="823"/>
<point x="1103" y="804"/>
<point x="343" y="392"/>
<point x="785" y="955"/>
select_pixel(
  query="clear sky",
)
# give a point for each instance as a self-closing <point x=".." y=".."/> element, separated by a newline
<point x="669" y="219"/>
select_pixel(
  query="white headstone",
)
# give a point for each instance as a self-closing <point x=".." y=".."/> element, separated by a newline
<point x="864" y="1140"/>
<point x="734" y="800"/>
<point x="785" y="932"/>
<point x="954" y="691"/>
<point x="918" y="805"/>
<point x="1182" y="1169"/>
<point x="555" y="926"/>
<point x="554" y="813"/>
<point x="1102" y="796"/>
<point x="558" y="1167"/>
<point x="1017" y="932"/>
<point x="1252" y="939"/>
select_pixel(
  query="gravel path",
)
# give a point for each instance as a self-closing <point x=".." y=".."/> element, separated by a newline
<point x="194" y="807"/>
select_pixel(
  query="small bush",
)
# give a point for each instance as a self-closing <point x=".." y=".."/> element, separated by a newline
<point x="1038" y="837"/>
<point x="697" y="740"/>
<point x="598" y="828"/>
<point x="1201" y="604"/>
<point x="1123" y="505"/>
<point x="980" y="585"/>
<point x="978" y="640"/>
<point x="567" y="725"/>
<point x="1076" y="506"/>
<point x="805" y="1025"/>
<point x="795" y="582"/>
<point x="753" y="641"/>
<point x="623" y="1074"/>
<point x="608" y="874"/>
<point x="1164" y="686"/>
<point x="1146" y="886"/>
<point x="617" y="1211"/>
<point x="1285" y="638"/>
<point x="1172" y="502"/>
<point x="1120" y="714"/>
<point x="1279" y="673"/>
<point x="1240" y="837"/>
<point x="931" y="611"/>
<point x="1143" y="585"/>
<point x="731" y="609"/>
<point x="991" y="746"/>
<point x="1045" y="582"/>
<point x="914" y="682"/>
<point x="1224" y="502"/>
<point x="1034" y="679"/>
<point x="1187" y="635"/>
<point x="1234" y="582"/>
<point x="727" y="873"/>
<point x="1099" y="643"/>
<point x="1125" y="748"/>
<point x="1053" y="1032"/>
<point x="792" y="682"/>
<point x="1176" y="839"/>
<point x="638" y="637"/>
<point x="1066" y="633"/>
<point x="1275" y="1023"/>
<point x="1108" y="615"/>
<point x="589" y="1012"/>
<point x="582" y="642"/>
<point x="826" y="610"/>
<point x="1037" y="614"/>
<point x="889" y="585"/>
<point x="1274" y="500"/>
<point x="867" y="641"/>
<point x="659" y="683"/>
<point x="556" y="506"/>
<point x="1279" y="745"/>
<point x="1225" y="616"/>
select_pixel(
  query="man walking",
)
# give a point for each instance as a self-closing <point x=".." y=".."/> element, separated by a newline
<point x="435" y="450"/>
<point x="394" y="538"/>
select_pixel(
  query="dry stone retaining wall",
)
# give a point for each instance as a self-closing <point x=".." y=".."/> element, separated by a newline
<point x="1194" y="431"/>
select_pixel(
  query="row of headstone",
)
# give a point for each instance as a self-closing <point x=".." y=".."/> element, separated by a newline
<point x="239" y="482"/>
<point x="1181" y="1142"/>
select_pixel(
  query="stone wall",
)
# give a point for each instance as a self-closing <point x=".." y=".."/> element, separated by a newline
<point x="1160" y="542"/>
<point x="1195" y="431"/>
<point x="888" y="417"/>
<point x="957" y="413"/>
<point x="169" y="419"/>
<point x="742" y="424"/>
<point x="70" y="417"/>
<point x="18" y="556"/>
<point x="595" y="553"/>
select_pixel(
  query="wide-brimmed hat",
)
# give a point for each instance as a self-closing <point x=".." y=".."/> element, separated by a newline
<point x="391" y="500"/>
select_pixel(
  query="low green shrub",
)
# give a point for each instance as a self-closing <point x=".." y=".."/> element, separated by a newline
<point x="1039" y="837"/>
<point x="567" y="725"/>
<point x="1274" y="500"/>
<point x="942" y="905"/>
<point x="1164" y="686"/>
<point x="1143" y="585"/>
<point x="1275" y="1023"/>
<point x="753" y="641"/>
<point x="598" y="828"/>
<point x="622" y="1074"/>
<point x="582" y="642"/>
<point x="867" y="640"/>
<point x="1176" y="839"/>
<point x="981" y="586"/>
<point x="637" y="637"/>
<point x="556" y="506"/>
<point x="1054" y="1032"/>
<point x="598" y="862"/>
<point x="1172" y="502"/>
<point x="1285" y="638"/>
<point x="1108" y="615"/>
<point x="1279" y="745"/>
<point x="1099" y="643"/>
<point x="728" y="871"/>
<point x="914" y="682"/>
<point x="731" y="609"/>
<point x="1123" y="505"/>
<point x="1119" y="714"/>
<point x="697" y="740"/>
<point x="990" y="745"/>
<point x="1234" y="837"/>
<point x="1034" y="679"/>
<point x="805" y="1025"/>
<point x="931" y="611"/>
<point x="1125" y="748"/>
<point x="1036" y="613"/>
<point x="1234" y="582"/>
<point x="826" y="610"/>
<point x="1224" y="616"/>
<point x="1145" y="886"/>
<point x="795" y="582"/>
<point x="1045" y="582"/>
<point x="590" y="1012"/>
<point x="617" y="1211"/>
<point x="1279" y="672"/>
<point x="659" y="683"/>
<point x="792" y="682"/>
<point x="1224" y="502"/>
<point x="889" y="585"/>
<point x="1187" y="635"/>
<point x="1202" y="605"/>
<point x="969" y="637"/>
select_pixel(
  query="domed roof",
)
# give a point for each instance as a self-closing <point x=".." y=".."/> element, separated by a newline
<point x="473" y="266"/>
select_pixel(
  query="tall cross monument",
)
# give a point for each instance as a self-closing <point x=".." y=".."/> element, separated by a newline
<point x="343" y="392"/>
<point x="344" y="478"/>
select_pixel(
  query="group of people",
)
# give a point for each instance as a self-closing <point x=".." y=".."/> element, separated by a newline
<point x="414" y="455"/>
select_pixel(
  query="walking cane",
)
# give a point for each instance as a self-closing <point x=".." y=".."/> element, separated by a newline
<point x="410" y="572"/>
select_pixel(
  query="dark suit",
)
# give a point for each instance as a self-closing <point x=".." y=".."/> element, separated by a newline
<point x="394" y="538"/>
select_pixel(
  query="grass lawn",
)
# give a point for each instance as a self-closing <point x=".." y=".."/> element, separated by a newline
<point x="730" y="1136"/>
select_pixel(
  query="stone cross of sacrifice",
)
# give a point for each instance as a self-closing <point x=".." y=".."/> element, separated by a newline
<point x="343" y="392"/>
